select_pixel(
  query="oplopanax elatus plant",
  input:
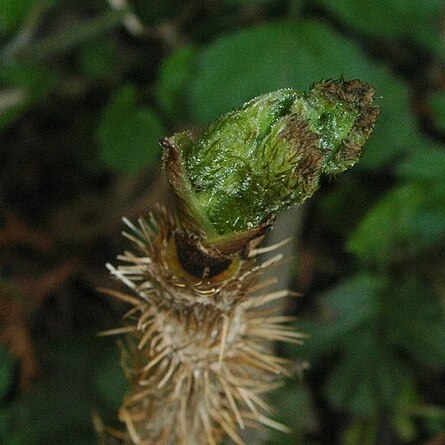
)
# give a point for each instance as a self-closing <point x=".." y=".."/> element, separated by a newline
<point x="197" y="334"/>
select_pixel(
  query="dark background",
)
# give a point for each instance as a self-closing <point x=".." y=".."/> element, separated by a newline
<point x="86" y="90"/>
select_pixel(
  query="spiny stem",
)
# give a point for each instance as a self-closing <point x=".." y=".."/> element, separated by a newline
<point x="201" y="320"/>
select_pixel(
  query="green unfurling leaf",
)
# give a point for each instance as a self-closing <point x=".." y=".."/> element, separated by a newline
<point x="289" y="54"/>
<point x="269" y="154"/>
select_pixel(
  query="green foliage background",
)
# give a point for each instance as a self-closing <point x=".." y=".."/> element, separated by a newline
<point x="84" y="97"/>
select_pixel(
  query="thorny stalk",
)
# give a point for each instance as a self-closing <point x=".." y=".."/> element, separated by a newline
<point x="196" y="337"/>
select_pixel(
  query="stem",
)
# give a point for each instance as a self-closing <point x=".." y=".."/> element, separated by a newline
<point x="198" y="335"/>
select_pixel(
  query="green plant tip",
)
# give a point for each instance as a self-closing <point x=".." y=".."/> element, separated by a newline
<point x="268" y="155"/>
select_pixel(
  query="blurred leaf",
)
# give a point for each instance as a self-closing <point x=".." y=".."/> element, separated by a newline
<point x="243" y="64"/>
<point x="387" y="226"/>
<point x="369" y="321"/>
<point x="31" y="83"/>
<point x="98" y="58"/>
<point x="435" y="426"/>
<point x="6" y="372"/>
<point x="128" y="134"/>
<point x="416" y="316"/>
<point x="367" y="377"/>
<point x="350" y="385"/>
<point x="408" y="220"/>
<point x="12" y="13"/>
<point x="428" y="165"/>
<point x="296" y="410"/>
<point x="153" y="11"/>
<point x="35" y="79"/>
<point x="16" y="435"/>
<point x="242" y="2"/>
<point x="58" y="409"/>
<point x="437" y="103"/>
<point x="403" y="422"/>
<point x="344" y="308"/>
<point x="357" y="192"/>
<point x="110" y="380"/>
<point x="174" y="80"/>
<point x="394" y="19"/>
<point x="361" y="431"/>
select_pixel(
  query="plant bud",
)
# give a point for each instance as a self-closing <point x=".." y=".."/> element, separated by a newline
<point x="266" y="156"/>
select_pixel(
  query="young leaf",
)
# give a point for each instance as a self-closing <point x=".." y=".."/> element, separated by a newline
<point x="267" y="155"/>
<point x="283" y="54"/>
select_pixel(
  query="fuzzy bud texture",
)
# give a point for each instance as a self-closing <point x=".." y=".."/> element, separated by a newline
<point x="269" y="154"/>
